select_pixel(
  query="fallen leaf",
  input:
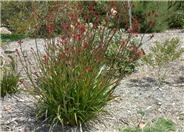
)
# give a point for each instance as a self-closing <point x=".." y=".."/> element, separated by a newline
<point x="8" y="108"/>
<point x="142" y="124"/>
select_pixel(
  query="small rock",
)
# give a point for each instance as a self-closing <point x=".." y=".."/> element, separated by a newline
<point x="4" y="30"/>
<point x="8" y="108"/>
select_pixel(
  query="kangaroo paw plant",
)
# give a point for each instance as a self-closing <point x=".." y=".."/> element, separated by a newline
<point x="75" y="73"/>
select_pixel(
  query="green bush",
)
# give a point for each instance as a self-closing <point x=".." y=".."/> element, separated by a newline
<point x="161" y="55"/>
<point x="169" y="14"/>
<point x="143" y="8"/>
<point x="9" y="83"/>
<point x="15" y="16"/>
<point x="131" y="50"/>
<point x="177" y="20"/>
<point x="19" y="18"/>
<point x="10" y="77"/>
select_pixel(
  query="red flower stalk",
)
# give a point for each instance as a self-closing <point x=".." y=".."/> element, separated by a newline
<point x="143" y="51"/>
<point x="156" y="15"/>
<point x="86" y="45"/>
<point x="78" y="50"/>
<point x="81" y="74"/>
<point x="89" y="69"/>
<point x="149" y="13"/>
<point x="33" y="9"/>
<point x="17" y="52"/>
<point x="20" y="42"/>
<point x="21" y="81"/>
<point x="129" y="73"/>
<point x="45" y="59"/>
<point x="36" y="74"/>
<point x="68" y="58"/>
<point x="151" y="36"/>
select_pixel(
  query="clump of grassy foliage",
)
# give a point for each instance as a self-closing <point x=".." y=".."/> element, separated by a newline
<point x="161" y="125"/>
<point x="10" y="77"/>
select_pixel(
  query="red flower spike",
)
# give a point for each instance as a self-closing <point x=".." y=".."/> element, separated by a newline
<point x="151" y="36"/>
<point x="104" y="49"/>
<point x="21" y="81"/>
<point x="86" y="45"/>
<point x="78" y="50"/>
<point x="20" y="42"/>
<point x="153" y="11"/>
<point x="149" y="13"/>
<point x="143" y="51"/>
<point x="128" y="73"/>
<point x="36" y="74"/>
<point x="81" y="74"/>
<point x="62" y="56"/>
<point x="150" y="22"/>
<point x="67" y="59"/>
<point x="135" y="22"/>
<point x="17" y="52"/>
<point x="45" y="59"/>
<point x="33" y="9"/>
<point x="156" y="15"/>
<point x="86" y="67"/>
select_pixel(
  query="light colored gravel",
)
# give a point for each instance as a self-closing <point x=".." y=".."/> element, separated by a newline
<point x="138" y="92"/>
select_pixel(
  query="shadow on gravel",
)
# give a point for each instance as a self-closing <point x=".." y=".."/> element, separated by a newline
<point x="180" y="80"/>
<point x="146" y="82"/>
<point x="40" y="127"/>
<point x="149" y="82"/>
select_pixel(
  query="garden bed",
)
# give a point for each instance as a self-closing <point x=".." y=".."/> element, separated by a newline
<point x="136" y="94"/>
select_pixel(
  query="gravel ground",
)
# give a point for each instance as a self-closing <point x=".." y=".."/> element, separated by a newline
<point x="139" y="92"/>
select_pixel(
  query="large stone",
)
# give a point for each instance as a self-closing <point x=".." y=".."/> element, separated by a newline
<point x="4" y="30"/>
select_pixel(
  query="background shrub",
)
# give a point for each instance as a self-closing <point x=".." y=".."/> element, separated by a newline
<point x="10" y="77"/>
<point x="18" y="17"/>
<point x="161" y="55"/>
<point x="164" y="11"/>
<point x="9" y="83"/>
<point x="15" y="16"/>
<point x="177" y="20"/>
